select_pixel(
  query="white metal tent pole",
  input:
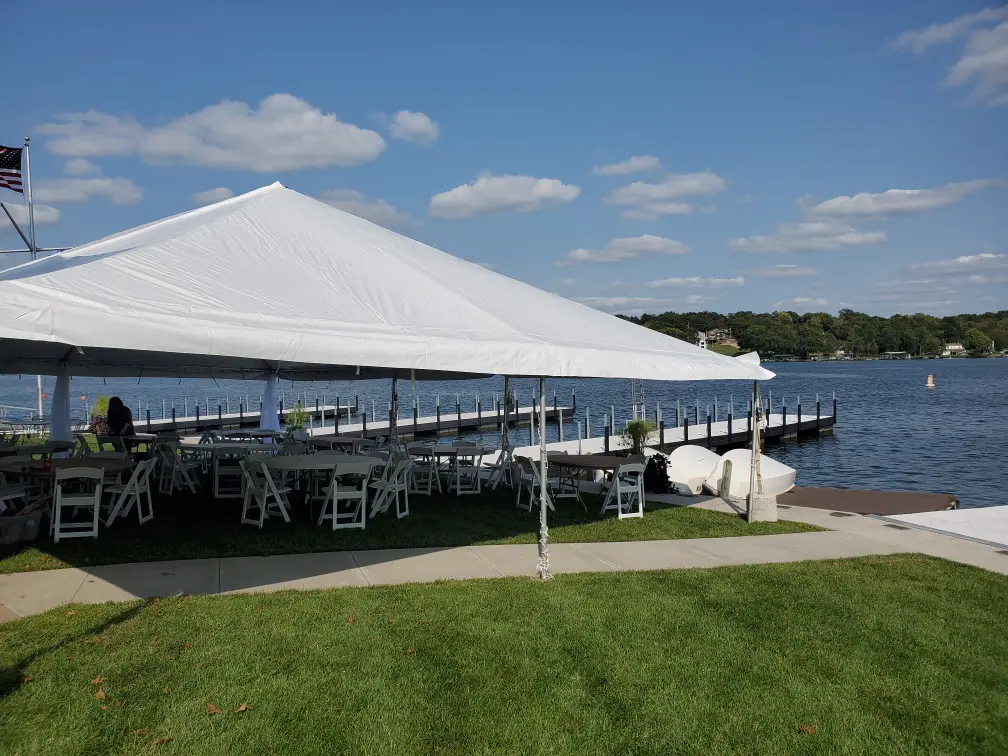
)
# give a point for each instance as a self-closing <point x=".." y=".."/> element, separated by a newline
<point x="543" y="565"/>
<point x="505" y="458"/>
<point x="394" y="412"/>
<point x="60" y="428"/>
<point x="755" y="479"/>
<point x="31" y="239"/>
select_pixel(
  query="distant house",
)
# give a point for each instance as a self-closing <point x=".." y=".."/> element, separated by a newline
<point x="955" y="349"/>
<point x="840" y="354"/>
<point x="721" y="336"/>
<point x="895" y="355"/>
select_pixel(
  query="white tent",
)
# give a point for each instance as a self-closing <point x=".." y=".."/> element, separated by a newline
<point x="274" y="282"/>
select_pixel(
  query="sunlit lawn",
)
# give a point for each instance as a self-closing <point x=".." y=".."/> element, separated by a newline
<point x="187" y="527"/>
<point x="881" y="655"/>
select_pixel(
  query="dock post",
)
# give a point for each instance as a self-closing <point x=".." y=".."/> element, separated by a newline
<point x="573" y="401"/>
<point x="220" y="418"/>
<point x="834" y="407"/>
<point x="715" y="408"/>
<point x="685" y="430"/>
<point x="661" y="435"/>
<point x="458" y="415"/>
<point x="677" y="413"/>
<point x="783" y="419"/>
<point x="798" y="429"/>
<point x="197" y="414"/>
<point x="416" y="423"/>
<point x="163" y="411"/>
<point x="708" y="431"/>
<point x="185" y="407"/>
<point x="729" y="427"/>
<point x="437" y="410"/>
<point x="587" y="424"/>
<point x="532" y="425"/>
<point x="241" y="413"/>
<point x="281" y="406"/>
<point x="607" y="439"/>
<point x="316" y="405"/>
<point x="817" y="414"/>
<point x="364" y="426"/>
<point x="748" y="424"/>
<point x="336" y="429"/>
<point x="696" y="413"/>
<point x="148" y="418"/>
<point x="356" y="403"/>
<point x="479" y="413"/>
<point x="227" y="404"/>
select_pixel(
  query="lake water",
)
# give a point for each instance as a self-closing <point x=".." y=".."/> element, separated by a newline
<point x="892" y="433"/>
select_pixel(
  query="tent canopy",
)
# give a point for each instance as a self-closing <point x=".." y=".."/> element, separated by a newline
<point x="277" y="283"/>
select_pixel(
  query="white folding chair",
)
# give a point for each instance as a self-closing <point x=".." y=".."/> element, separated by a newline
<point x="388" y="489"/>
<point x="501" y="470"/>
<point x="11" y="492"/>
<point x="88" y="478"/>
<point x="468" y="464"/>
<point x="352" y="491"/>
<point x="81" y="446"/>
<point x="423" y="474"/>
<point x="262" y="494"/>
<point x="626" y="493"/>
<point x="126" y="496"/>
<point x="528" y="480"/>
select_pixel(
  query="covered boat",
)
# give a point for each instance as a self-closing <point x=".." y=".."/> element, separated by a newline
<point x="777" y="478"/>
<point x="689" y="467"/>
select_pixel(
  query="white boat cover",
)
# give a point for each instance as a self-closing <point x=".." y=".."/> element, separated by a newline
<point x="277" y="283"/>
<point x="777" y="478"/>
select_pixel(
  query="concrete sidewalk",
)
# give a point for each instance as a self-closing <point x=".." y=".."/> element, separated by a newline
<point x="849" y="536"/>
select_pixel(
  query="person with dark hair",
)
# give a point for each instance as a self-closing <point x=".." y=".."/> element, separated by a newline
<point x="120" y="419"/>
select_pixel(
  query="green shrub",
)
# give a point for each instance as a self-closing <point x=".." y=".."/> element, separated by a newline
<point x="636" y="434"/>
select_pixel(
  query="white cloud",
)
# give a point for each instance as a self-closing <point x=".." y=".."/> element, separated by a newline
<point x="900" y="200"/>
<point x="787" y="271"/>
<point x="569" y="282"/>
<point x="984" y="65"/>
<point x="648" y="201"/>
<point x="801" y="303"/>
<point x="118" y="191"/>
<point x="417" y="128"/>
<point x="370" y="208"/>
<point x="698" y="281"/>
<point x="966" y="264"/>
<point x="984" y="61"/>
<point x="44" y="214"/>
<point x="284" y="133"/>
<point x="80" y="167"/>
<point x="636" y="164"/>
<point x="626" y="249"/>
<point x="210" y="196"/>
<point x="808" y="236"/>
<point x="939" y="34"/>
<point x="489" y="194"/>
<point x="626" y="305"/>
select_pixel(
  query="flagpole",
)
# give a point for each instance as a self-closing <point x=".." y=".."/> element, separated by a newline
<point x="28" y="194"/>
<point x="31" y="243"/>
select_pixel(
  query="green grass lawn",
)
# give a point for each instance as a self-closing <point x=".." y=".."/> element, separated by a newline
<point x="724" y="349"/>
<point x="187" y="527"/>
<point x="881" y="655"/>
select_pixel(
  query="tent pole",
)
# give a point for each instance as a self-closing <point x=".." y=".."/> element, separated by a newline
<point x="505" y="458"/>
<point x="394" y="413"/>
<point x="755" y="479"/>
<point x="543" y="565"/>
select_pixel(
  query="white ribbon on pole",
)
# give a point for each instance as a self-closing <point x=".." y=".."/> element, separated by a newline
<point x="269" y="418"/>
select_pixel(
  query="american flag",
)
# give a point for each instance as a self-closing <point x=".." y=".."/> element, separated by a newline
<point x="10" y="168"/>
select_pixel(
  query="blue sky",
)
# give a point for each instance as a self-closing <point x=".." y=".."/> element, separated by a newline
<point x="788" y="155"/>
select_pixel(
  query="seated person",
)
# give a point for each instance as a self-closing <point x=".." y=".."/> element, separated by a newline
<point x="120" y="419"/>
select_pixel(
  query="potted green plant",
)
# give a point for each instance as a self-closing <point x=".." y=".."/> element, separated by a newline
<point x="636" y="434"/>
<point x="296" y="420"/>
<point x="98" y="422"/>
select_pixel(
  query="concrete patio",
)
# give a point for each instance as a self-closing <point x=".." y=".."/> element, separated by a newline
<point x="849" y="535"/>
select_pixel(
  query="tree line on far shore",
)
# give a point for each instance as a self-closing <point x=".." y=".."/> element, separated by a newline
<point x="858" y="334"/>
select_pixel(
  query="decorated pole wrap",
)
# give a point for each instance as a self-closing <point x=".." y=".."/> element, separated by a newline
<point x="543" y="564"/>
<point x="269" y="418"/>
<point x="505" y="457"/>
<point x="394" y="412"/>
<point x="755" y="479"/>
<point x="59" y="421"/>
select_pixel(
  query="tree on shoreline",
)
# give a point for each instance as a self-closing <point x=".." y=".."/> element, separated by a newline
<point x="858" y="334"/>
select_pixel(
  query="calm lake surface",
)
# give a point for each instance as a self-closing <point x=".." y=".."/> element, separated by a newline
<point x="892" y="432"/>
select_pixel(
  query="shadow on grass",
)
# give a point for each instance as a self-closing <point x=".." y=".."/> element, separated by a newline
<point x="12" y="677"/>
<point x="195" y="527"/>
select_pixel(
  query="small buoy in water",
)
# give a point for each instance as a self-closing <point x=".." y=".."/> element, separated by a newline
<point x="930" y="381"/>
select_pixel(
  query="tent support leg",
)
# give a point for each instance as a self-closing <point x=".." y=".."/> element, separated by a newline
<point x="543" y="564"/>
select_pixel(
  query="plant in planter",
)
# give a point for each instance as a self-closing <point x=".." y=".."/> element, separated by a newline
<point x="636" y="434"/>
<point x="296" y="421"/>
